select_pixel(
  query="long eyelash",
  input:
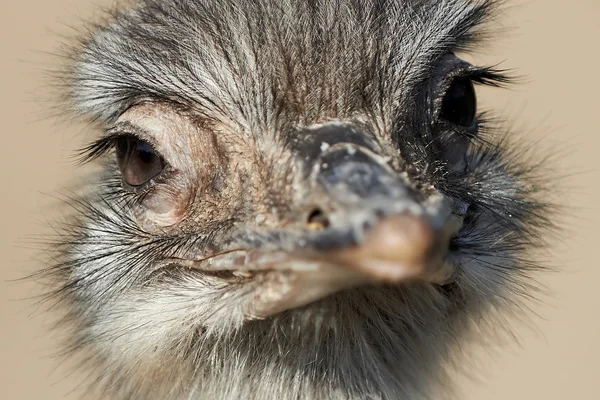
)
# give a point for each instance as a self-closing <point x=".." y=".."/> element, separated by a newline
<point x="97" y="148"/>
<point x="492" y="76"/>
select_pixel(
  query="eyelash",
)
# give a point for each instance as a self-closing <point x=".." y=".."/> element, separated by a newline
<point x="104" y="145"/>
<point x="490" y="76"/>
<point x="98" y="148"/>
<point x="484" y="76"/>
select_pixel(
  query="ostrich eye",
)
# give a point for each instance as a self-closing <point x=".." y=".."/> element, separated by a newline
<point x="137" y="160"/>
<point x="459" y="104"/>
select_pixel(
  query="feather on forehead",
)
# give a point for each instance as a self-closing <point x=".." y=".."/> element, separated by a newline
<point x="245" y="61"/>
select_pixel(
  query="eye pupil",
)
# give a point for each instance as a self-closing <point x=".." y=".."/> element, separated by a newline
<point x="145" y="152"/>
<point x="459" y="105"/>
<point x="137" y="160"/>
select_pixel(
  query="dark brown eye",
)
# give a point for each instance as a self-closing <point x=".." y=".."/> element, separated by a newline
<point x="459" y="105"/>
<point x="137" y="160"/>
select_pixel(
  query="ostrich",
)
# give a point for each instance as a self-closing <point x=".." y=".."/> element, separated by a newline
<point x="298" y="200"/>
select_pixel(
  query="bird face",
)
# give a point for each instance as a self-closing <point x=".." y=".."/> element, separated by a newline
<point x="293" y="216"/>
<point x="284" y="184"/>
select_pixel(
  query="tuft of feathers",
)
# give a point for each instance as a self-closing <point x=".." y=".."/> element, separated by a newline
<point x="263" y="67"/>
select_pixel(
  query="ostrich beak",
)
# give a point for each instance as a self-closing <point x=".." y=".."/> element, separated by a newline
<point x="399" y="249"/>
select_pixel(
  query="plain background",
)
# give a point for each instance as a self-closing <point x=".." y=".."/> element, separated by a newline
<point x="553" y="43"/>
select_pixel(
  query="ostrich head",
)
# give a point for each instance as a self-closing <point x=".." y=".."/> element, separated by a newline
<point x="298" y="199"/>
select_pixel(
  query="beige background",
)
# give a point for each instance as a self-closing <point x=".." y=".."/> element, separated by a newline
<point x="552" y="42"/>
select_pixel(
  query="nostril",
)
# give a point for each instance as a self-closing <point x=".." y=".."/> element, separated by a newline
<point x="366" y="225"/>
<point x="317" y="220"/>
<point x="379" y="213"/>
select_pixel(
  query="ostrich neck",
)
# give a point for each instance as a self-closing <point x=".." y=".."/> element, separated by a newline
<point x="364" y="344"/>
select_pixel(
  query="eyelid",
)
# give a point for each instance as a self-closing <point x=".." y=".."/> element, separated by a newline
<point x="441" y="81"/>
<point x="452" y="67"/>
<point x="125" y="128"/>
<point x="489" y="76"/>
<point x="107" y="142"/>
